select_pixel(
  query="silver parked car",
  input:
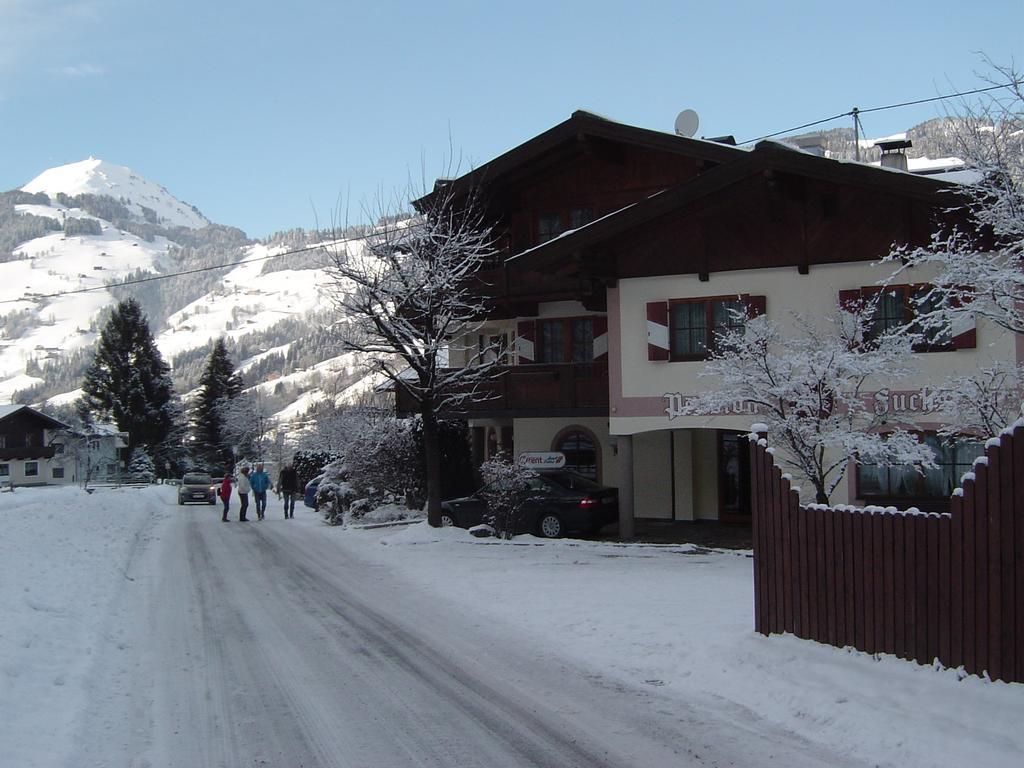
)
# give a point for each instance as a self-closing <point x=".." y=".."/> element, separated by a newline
<point x="196" y="486"/>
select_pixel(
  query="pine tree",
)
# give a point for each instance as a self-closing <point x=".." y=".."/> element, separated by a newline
<point x="218" y="385"/>
<point x="141" y="465"/>
<point x="129" y="383"/>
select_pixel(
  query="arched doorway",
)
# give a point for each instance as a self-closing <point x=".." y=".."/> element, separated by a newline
<point x="582" y="451"/>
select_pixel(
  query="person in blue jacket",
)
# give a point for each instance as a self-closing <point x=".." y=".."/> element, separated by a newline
<point x="260" y="482"/>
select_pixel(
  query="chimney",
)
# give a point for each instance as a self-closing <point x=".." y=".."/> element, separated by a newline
<point x="893" y="155"/>
<point x="812" y="144"/>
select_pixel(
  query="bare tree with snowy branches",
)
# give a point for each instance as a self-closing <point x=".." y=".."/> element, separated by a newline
<point x="978" y="266"/>
<point x="405" y="294"/>
<point x="809" y="389"/>
<point x="245" y="420"/>
<point x="981" y="403"/>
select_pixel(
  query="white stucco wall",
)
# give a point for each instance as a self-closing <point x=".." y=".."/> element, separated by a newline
<point x="537" y="434"/>
<point x="786" y="291"/>
<point x="815" y="294"/>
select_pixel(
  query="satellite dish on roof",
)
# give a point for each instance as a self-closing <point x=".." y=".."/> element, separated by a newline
<point x="687" y="122"/>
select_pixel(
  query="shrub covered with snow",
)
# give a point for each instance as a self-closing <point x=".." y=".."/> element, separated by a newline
<point x="506" y="484"/>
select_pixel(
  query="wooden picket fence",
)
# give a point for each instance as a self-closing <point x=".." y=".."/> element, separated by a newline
<point x="920" y="586"/>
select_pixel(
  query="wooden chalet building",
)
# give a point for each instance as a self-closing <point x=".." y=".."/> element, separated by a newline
<point x="32" y="448"/>
<point x="621" y="250"/>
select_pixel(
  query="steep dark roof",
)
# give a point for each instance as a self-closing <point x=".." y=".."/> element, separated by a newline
<point x="581" y="125"/>
<point x="7" y="411"/>
<point x="766" y="156"/>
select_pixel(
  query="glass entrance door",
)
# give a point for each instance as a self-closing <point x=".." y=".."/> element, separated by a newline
<point x="733" y="477"/>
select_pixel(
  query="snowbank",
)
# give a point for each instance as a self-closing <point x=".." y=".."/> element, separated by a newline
<point x="681" y="619"/>
<point x="64" y="555"/>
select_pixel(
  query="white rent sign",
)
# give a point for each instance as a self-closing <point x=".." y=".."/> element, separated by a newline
<point x="542" y="460"/>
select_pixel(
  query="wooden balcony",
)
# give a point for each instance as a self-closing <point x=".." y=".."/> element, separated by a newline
<point x="30" y="452"/>
<point x="533" y="390"/>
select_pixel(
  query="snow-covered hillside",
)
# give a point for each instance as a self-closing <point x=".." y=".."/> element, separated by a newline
<point x="98" y="177"/>
<point x="57" y="263"/>
<point x="270" y="306"/>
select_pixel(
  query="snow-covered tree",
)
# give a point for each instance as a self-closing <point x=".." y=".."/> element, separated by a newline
<point x="977" y="263"/>
<point x="218" y="384"/>
<point x="245" y="421"/>
<point x="809" y="390"/>
<point x="129" y="382"/>
<point x="405" y="294"/>
<point x="141" y="464"/>
<point x="981" y="403"/>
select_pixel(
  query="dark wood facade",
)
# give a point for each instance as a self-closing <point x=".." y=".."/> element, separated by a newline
<point x="771" y="208"/>
<point x="529" y="391"/>
<point x="23" y="435"/>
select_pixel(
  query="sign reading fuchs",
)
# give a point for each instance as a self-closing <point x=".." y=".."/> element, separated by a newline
<point x="542" y="459"/>
<point x="924" y="400"/>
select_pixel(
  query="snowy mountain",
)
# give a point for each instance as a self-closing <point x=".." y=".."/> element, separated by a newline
<point x="97" y="177"/>
<point x="92" y="224"/>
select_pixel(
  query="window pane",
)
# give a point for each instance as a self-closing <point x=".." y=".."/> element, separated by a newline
<point x="552" y="341"/>
<point x="549" y="225"/>
<point x="582" y="340"/>
<point x="890" y="312"/>
<point x="872" y="480"/>
<point x="725" y="317"/>
<point x="580" y="216"/>
<point x="689" y="329"/>
<point x="580" y="454"/>
<point x="940" y="335"/>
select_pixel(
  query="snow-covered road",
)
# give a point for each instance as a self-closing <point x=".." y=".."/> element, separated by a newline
<point x="138" y="633"/>
<point x="267" y="645"/>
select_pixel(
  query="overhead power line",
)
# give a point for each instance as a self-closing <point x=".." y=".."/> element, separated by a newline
<point x="856" y="111"/>
<point x="169" y="275"/>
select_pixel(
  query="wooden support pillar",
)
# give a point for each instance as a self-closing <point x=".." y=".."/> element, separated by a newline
<point x="625" y="456"/>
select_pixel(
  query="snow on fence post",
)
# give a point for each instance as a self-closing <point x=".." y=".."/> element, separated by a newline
<point x="920" y="586"/>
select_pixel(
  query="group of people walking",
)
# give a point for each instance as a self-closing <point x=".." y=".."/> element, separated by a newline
<point x="257" y="482"/>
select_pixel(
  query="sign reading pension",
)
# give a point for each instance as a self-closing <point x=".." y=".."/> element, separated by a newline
<point x="542" y="459"/>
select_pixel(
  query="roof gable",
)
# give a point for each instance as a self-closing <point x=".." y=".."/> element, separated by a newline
<point x="766" y="158"/>
<point x="548" y="147"/>
<point x="7" y="412"/>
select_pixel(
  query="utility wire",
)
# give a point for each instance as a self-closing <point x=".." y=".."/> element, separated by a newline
<point x="856" y="111"/>
<point x="168" y="275"/>
<point x="304" y="249"/>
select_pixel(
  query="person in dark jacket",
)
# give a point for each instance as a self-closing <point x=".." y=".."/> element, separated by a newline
<point x="225" y="495"/>
<point x="288" y="488"/>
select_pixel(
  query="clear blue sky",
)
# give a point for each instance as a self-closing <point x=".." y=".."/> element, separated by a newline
<point x="261" y="112"/>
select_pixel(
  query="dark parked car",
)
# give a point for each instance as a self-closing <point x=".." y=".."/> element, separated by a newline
<point x="557" y="502"/>
<point x="196" y="486"/>
<point x="309" y="493"/>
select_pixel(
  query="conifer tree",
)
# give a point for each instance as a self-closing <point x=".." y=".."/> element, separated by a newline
<point x="129" y="383"/>
<point x="218" y="385"/>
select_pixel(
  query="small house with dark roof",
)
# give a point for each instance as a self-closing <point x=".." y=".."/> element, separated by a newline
<point x="32" y="447"/>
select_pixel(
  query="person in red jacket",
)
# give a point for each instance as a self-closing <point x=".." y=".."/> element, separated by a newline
<point x="225" y="496"/>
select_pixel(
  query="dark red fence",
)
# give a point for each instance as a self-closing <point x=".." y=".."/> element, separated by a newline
<point x="920" y="586"/>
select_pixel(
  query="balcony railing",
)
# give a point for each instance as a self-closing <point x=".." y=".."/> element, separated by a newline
<point x="535" y="389"/>
<point x="28" y="452"/>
